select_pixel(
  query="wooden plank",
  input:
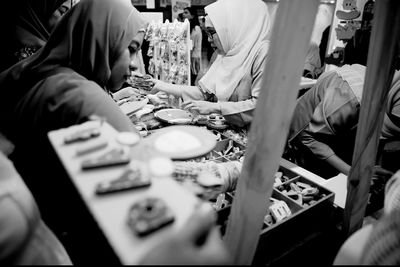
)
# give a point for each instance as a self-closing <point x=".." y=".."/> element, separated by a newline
<point x="379" y="74"/>
<point x="289" y="43"/>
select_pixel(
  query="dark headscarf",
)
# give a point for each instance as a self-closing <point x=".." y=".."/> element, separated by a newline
<point x="34" y="16"/>
<point x="87" y="41"/>
<point x="26" y="26"/>
<point x="90" y="39"/>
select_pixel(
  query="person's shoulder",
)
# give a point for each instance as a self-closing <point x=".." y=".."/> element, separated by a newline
<point x="197" y="29"/>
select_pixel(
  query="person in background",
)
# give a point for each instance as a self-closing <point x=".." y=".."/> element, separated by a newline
<point x="324" y="44"/>
<point x="232" y="83"/>
<point x="180" y="17"/>
<point x="207" y="50"/>
<point x="29" y="28"/>
<point x="312" y="66"/>
<point x="324" y="122"/>
<point x="196" y="37"/>
<point x="323" y="128"/>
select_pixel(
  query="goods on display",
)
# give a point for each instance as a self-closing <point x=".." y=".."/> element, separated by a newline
<point x="116" y="156"/>
<point x="213" y="121"/>
<point x="130" y="179"/>
<point x="141" y="82"/>
<point x="174" y="116"/>
<point x="149" y="215"/>
<point x="91" y="146"/>
<point x="169" y="51"/>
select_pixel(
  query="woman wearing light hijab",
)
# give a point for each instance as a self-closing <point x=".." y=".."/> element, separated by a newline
<point x="239" y="32"/>
<point x="29" y="28"/>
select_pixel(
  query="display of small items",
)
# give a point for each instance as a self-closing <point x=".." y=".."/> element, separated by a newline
<point x="347" y="17"/>
<point x="169" y="51"/>
<point x="213" y="121"/>
<point x="302" y="193"/>
<point x="143" y="83"/>
<point x="149" y="215"/>
<point x="240" y="137"/>
<point x="277" y="211"/>
<point x="201" y="179"/>
<point x="280" y="178"/>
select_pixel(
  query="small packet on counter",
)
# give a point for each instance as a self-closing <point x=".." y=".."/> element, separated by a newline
<point x="116" y="156"/>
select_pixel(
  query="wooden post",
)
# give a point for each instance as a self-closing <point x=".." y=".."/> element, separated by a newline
<point x="379" y="74"/>
<point x="289" y="44"/>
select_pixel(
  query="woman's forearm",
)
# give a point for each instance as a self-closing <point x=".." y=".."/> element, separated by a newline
<point x="339" y="164"/>
<point x="172" y="89"/>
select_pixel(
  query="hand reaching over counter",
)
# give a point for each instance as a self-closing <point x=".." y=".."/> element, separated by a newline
<point x="202" y="107"/>
<point x="198" y="243"/>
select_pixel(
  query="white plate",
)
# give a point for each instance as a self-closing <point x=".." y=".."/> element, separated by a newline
<point x="174" y="116"/>
<point x="182" y="142"/>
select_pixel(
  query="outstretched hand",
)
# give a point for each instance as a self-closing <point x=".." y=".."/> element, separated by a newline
<point x="202" y="107"/>
<point x="124" y="92"/>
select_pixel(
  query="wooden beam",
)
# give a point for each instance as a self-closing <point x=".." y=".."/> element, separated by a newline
<point x="379" y="74"/>
<point x="289" y="44"/>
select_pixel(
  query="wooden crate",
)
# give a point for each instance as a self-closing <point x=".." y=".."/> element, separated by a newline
<point x="285" y="236"/>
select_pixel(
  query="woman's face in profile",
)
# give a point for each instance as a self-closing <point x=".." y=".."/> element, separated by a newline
<point x="213" y="37"/>
<point x="125" y="64"/>
<point x="186" y="14"/>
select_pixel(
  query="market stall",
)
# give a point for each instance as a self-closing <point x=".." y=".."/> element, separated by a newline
<point x="258" y="195"/>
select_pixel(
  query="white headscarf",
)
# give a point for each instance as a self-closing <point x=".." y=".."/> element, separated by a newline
<point x="242" y="27"/>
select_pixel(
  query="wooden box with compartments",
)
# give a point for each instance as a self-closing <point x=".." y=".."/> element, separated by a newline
<point x="311" y="210"/>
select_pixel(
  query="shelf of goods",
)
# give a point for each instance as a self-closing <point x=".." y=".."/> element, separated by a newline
<point x="169" y="51"/>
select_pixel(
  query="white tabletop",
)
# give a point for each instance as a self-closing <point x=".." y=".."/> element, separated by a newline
<point x="110" y="211"/>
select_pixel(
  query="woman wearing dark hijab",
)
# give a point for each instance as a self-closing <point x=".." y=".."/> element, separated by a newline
<point x="28" y="27"/>
<point x="62" y="84"/>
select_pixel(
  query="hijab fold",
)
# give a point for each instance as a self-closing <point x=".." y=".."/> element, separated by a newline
<point x="87" y="40"/>
<point x="33" y="18"/>
<point x="25" y="28"/>
<point x="242" y="29"/>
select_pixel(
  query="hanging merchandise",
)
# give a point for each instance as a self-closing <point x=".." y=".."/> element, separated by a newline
<point x="178" y="6"/>
<point x="347" y="16"/>
<point x="169" y="51"/>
